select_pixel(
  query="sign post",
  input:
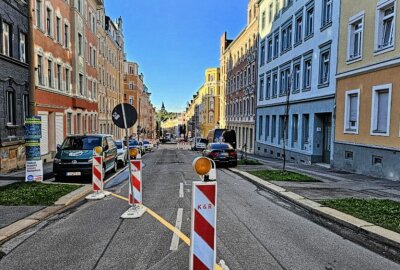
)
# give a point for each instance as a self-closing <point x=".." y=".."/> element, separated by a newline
<point x="34" y="164"/>
<point x="124" y="116"/>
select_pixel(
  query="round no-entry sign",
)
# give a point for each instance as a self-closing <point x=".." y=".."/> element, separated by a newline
<point x="124" y="115"/>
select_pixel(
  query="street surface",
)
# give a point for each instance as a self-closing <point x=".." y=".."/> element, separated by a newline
<point x="255" y="229"/>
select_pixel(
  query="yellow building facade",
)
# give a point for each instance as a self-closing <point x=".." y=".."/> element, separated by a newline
<point x="367" y="132"/>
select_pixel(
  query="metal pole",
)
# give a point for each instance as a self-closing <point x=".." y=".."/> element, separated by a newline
<point x="129" y="156"/>
<point x="31" y="60"/>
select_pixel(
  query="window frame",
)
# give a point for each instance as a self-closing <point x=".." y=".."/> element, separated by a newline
<point x="347" y="109"/>
<point x="380" y="7"/>
<point x="11" y="107"/>
<point x="374" y="109"/>
<point x="4" y="43"/>
<point x="351" y="37"/>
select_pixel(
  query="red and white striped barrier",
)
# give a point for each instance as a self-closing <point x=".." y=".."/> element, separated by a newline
<point x="135" y="191"/>
<point x="136" y="182"/>
<point x="97" y="178"/>
<point x="203" y="232"/>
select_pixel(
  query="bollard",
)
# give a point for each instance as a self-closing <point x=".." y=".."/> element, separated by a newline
<point x="97" y="176"/>
<point x="135" y="191"/>
<point x="203" y="229"/>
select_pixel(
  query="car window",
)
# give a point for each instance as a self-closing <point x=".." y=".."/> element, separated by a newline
<point x="221" y="146"/>
<point x="81" y="143"/>
<point x="203" y="140"/>
<point x="110" y="142"/>
<point x="118" y="144"/>
<point x="133" y="143"/>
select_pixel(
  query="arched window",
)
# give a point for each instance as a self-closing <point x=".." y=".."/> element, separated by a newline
<point x="10" y="102"/>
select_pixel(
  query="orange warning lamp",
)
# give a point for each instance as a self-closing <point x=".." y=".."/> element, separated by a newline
<point x="201" y="165"/>
<point x="98" y="150"/>
<point x="133" y="152"/>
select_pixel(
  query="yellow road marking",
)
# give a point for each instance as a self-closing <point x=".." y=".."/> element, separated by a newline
<point x="172" y="228"/>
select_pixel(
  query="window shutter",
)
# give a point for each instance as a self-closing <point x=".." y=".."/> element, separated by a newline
<point x="383" y="98"/>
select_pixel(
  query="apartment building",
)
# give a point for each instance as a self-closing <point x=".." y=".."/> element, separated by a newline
<point x="296" y="79"/>
<point x="14" y="83"/>
<point x="238" y="61"/>
<point x="367" y="131"/>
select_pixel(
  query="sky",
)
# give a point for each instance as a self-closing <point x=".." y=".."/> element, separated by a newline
<point x="175" y="41"/>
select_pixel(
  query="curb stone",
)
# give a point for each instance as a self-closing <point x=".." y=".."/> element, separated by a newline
<point x="386" y="239"/>
<point x="26" y="223"/>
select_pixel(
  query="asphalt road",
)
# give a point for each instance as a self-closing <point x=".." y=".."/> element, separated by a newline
<point x="255" y="229"/>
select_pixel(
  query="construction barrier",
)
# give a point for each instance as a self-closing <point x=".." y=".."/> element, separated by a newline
<point x="183" y="145"/>
<point x="203" y="229"/>
<point x="97" y="177"/>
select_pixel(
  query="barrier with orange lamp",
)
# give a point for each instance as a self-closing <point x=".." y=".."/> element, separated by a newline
<point x="97" y="176"/>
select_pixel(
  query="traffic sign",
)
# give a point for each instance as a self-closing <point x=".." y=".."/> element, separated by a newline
<point x="124" y="115"/>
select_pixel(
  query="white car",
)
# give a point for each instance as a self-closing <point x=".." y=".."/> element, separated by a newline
<point x="148" y="146"/>
<point x="122" y="152"/>
<point x="200" y="144"/>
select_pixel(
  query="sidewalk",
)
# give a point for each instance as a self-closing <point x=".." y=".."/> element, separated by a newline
<point x="15" y="176"/>
<point x="334" y="184"/>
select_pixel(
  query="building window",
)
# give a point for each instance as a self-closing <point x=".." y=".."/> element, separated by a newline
<point x="6" y="39"/>
<point x="80" y="44"/>
<point x="263" y="20"/>
<point x="79" y="123"/>
<point x="50" y="73"/>
<point x="274" y="84"/>
<point x="269" y="49"/>
<point x="130" y="86"/>
<point x="40" y="69"/>
<point x="211" y="118"/>
<point x="261" y="89"/>
<point x="299" y="29"/>
<point x="310" y="21"/>
<point x="10" y="107"/>
<point x="81" y="84"/>
<point x="25" y="104"/>
<point x="59" y="77"/>
<point x="94" y="90"/>
<point x="260" y="127"/>
<point x="324" y="67"/>
<point x="348" y="155"/>
<point x="266" y="127"/>
<point x="277" y="7"/>
<point x="268" y="87"/>
<point x="67" y="79"/>
<point x="285" y="81"/>
<point x="306" y="129"/>
<point x="271" y="7"/>
<point x="295" y="128"/>
<point x="58" y="29"/>
<point x="355" y="38"/>
<point x="351" y="111"/>
<point x="22" y="47"/>
<point x="286" y="33"/>
<point x="273" y="128"/>
<point x="307" y="73"/>
<point x="79" y="6"/>
<point x="326" y="12"/>
<point x="66" y="36"/>
<point x="381" y="105"/>
<point x="385" y="31"/>
<point x="48" y="22"/>
<point x="262" y="54"/>
<point x="276" y="44"/>
<point x="283" y="134"/>
<point x="39" y="14"/>
<point x="296" y="76"/>
<point x="131" y="100"/>
<point x="69" y="123"/>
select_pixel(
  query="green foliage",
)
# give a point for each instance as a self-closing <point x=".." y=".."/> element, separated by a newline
<point x="384" y="213"/>
<point x="248" y="162"/>
<point x="275" y="175"/>
<point x="33" y="193"/>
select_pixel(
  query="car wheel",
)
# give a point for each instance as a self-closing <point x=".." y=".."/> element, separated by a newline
<point x="115" y="168"/>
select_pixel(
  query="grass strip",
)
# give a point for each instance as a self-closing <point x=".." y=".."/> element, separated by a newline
<point x="384" y="213"/>
<point x="34" y="193"/>
<point x="277" y="175"/>
<point x="248" y="162"/>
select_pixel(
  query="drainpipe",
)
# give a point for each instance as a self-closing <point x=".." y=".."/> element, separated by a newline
<point x="31" y="49"/>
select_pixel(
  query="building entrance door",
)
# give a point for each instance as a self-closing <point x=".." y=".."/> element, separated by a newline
<point x="327" y="133"/>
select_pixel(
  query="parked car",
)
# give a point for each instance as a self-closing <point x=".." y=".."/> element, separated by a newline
<point x="148" y="146"/>
<point x="122" y="151"/>
<point x="199" y="144"/>
<point x="221" y="153"/>
<point x="74" y="157"/>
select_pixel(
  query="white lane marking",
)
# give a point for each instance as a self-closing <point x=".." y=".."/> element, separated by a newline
<point x="178" y="224"/>
<point x="180" y="190"/>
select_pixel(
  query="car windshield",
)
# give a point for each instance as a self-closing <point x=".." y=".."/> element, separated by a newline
<point x="118" y="144"/>
<point x="81" y="143"/>
<point x="220" y="146"/>
<point x="133" y="143"/>
<point x="146" y="142"/>
<point x="202" y="141"/>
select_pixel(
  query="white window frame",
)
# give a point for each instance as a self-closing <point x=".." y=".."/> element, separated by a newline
<point x="51" y="33"/>
<point x="22" y="47"/>
<point x="374" y="109"/>
<point x="6" y="42"/>
<point x="379" y="27"/>
<point x="350" y="37"/>
<point x="347" y="129"/>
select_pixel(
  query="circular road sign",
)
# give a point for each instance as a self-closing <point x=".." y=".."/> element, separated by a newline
<point x="124" y="115"/>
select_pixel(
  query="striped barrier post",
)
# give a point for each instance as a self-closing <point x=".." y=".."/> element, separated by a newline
<point x="97" y="178"/>
<point x="135" y="191"/>
<point x="203" y="232"/>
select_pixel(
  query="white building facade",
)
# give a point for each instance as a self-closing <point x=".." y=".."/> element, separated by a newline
<point x="296" y="79"/>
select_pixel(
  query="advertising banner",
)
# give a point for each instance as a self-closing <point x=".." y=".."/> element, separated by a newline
<point x="33" y="133"/>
